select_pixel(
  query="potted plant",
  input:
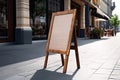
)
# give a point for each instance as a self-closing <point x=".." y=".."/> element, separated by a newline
<point x="96" y="33"/>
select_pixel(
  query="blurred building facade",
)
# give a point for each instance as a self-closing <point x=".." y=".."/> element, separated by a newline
<point x="22" y="21"/>
<point x="104" y="8"/>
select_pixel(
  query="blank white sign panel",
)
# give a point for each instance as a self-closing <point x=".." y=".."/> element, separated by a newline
<point x="60" y="32"/>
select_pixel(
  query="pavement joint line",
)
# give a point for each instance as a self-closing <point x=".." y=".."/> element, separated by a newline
<point x="114" y="67"/>
<point x="98" y="68"/>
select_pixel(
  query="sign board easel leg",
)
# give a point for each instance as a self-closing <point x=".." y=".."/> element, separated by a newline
<point x="62" y="59"/>
<point x="76" y="49"/>
<point x="46" y="59"/>
<point x="65" y="63"/>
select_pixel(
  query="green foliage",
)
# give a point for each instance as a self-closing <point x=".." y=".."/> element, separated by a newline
<point x="37" y="8"/>
<point x="114" y="21"/>
<point x="40" y="7"/>
<point x="96" y="31"/>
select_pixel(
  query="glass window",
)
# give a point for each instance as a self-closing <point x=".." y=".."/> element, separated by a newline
<point x="38" y="18"/>
<point x="40" y="14"/>
<point x="3" y="20"/>
<point x="54" y="6"/>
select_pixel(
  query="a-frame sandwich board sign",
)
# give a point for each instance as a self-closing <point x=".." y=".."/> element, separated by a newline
<point x="61" y="33"/>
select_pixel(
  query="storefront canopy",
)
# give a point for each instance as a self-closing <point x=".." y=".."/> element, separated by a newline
<point x="100" y="19"/>
<point x="102" y="13"/>
<point x="98" y="12"/>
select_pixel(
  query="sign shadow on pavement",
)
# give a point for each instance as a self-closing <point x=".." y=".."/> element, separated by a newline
<point x="52" y="75"/>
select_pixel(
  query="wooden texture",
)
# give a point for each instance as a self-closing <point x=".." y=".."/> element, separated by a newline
<point x="60" y="36"/>
<point x="60" y="33"/>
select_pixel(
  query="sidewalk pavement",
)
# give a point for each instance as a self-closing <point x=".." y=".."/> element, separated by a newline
<point x="99" y="60"/>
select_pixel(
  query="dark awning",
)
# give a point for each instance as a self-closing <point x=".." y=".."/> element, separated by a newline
<point x="98" y="13"/>
<point x="102" y="13"/>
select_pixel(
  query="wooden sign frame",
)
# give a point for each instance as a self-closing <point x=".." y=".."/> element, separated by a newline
<point x="54" y="37"/>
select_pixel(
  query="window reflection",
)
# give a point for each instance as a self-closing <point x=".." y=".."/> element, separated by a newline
<point x="38" y="18"/>
<point x="53" y="6"/>
<point x="40" y="13"/>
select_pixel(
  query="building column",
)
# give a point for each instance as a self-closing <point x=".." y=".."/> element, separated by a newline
<point x="67" y="4"/>
<point x="83" y="17"/>
<point x="23" y="31"/>
<point x="82" y="22"/>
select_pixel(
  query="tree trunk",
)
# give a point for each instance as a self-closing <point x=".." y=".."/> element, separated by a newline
<point x="115" y="31"/>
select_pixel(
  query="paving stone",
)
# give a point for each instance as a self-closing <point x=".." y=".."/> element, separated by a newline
<point x="16" y="78"/>
<point x="99" y="61"/>
<point x="103" y="71"/>
<point x="113" y="76"/>
<point x="116" y="72"/>
<point x="99" y="77"/>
